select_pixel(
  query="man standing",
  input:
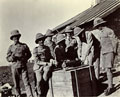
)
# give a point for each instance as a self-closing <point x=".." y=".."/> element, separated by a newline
<point x="60" y="54"/>
<point x="48" y="42"/>
<point x="71" y="51"/>
<point x="18" y="53"/>
<point x="84" y="45"/>
<point x="107" y="50"/>
<point x="42" y="65"/>
<point x="97" y="48"/>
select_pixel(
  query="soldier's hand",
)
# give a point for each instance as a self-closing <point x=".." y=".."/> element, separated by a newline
<point x="50" y="64"/>
<point x="82" y="59"/>
<point x="64" y="65"/>
<point x="77" y="39"/>
<point x="13" y="57"/>
<point x="54" y="62"/>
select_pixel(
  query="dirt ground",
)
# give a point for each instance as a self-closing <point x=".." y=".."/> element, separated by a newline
<point x="116" y="82"/>
<point x="103" y="86"/>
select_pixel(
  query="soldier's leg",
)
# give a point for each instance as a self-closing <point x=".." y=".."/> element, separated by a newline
<point x="25" y="79"/>
<point x="109" y="77"/>
<point x="94" y="60"/>
<point x="97" y="67"/>
<point x="47" y="74"/>
<point x="39" y="83"/>
<point x="109" y="62"/>
<point x="16" y="80"/>
<point x="35" y="84"/>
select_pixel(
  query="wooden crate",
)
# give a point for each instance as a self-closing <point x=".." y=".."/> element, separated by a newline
<point x="84" y="82"/>
<point x="76" y="82"/>
<point x="62" y="84"/>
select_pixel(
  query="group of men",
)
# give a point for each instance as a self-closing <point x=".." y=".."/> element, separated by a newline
<point x="96" y="47"/>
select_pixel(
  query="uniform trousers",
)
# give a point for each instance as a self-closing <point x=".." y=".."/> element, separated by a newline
<point x="43" y="74"/>
<point x="107" y="60"/>
<point x="18" y="73"/>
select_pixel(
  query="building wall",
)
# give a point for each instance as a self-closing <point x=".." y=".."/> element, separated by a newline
<point x="113" y="22"/>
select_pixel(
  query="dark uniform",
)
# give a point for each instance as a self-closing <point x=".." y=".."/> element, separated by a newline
<point x="60" y="54"/>
<point x="71" y="50"/>
<point x="51" y="46"/>
<point x="48" y="42"/>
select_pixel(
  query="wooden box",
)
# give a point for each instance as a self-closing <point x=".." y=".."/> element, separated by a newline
<point x="84" y="82"/>
<point x="74" y="82"/>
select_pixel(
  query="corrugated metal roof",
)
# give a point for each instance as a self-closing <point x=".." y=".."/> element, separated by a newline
<point x="100" y="10"/>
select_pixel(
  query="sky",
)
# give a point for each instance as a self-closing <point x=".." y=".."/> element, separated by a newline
<point x="34" y="16"/>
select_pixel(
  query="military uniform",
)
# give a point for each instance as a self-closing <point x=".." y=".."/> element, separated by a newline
<point x="107" y="50"/>
<point x="51" y="46"/>
<point x="97" y="49"/>
<point x="18" y="54"/>
<point x="71" y="48"/>
<point x="87" y="48"/>
<point x="48" y="42"/>
<point x="60" y="54"/>
<point x="85" y="45"/>
<point x="42" y="70"/>
<point x="71" y="51"/>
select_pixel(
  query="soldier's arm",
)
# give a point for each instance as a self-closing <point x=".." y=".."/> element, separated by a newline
<point x="36" y="58"/>
<point x="114" y="40"/>
<point x="78" y="47"/>
<point x="71" y="44"/>
<point x="111" y="34"/>
<point x="28" y="53"/>
<point x="10" y="55"/>
<point x="49" y="55"/>
<point x="35" y="55"/>
<point x="89" y="42"/>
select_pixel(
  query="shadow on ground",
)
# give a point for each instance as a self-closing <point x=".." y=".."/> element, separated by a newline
<point x="101" y="88"/>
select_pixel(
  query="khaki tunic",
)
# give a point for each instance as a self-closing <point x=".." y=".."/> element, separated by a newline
<point x="107" y="47"/>
<point x="18" y="54"/>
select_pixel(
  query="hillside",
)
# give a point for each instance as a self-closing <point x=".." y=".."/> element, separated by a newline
<point x="6" y="75"/>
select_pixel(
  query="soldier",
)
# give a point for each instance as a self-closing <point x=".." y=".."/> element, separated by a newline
<point x="70" y="42"/>
<point x="48" y="42"/>
<point x="42" y="66"/>
<point x="60" y="54"/>
<point x="96" y="59"/>
<point x="84" y="44"/>
<point x="107" y="50"/>
<point x="18" y="53"/>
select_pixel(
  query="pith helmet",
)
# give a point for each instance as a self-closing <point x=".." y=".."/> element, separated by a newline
<point x="49" y="33"/>
<point x="60" y="37"/>
<point x="98" y="21"/>
<point x="68" y="29"/>
<point x="15" y="33"/>
<point x="77" y="31"/>
<point x="38" y="37"/>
